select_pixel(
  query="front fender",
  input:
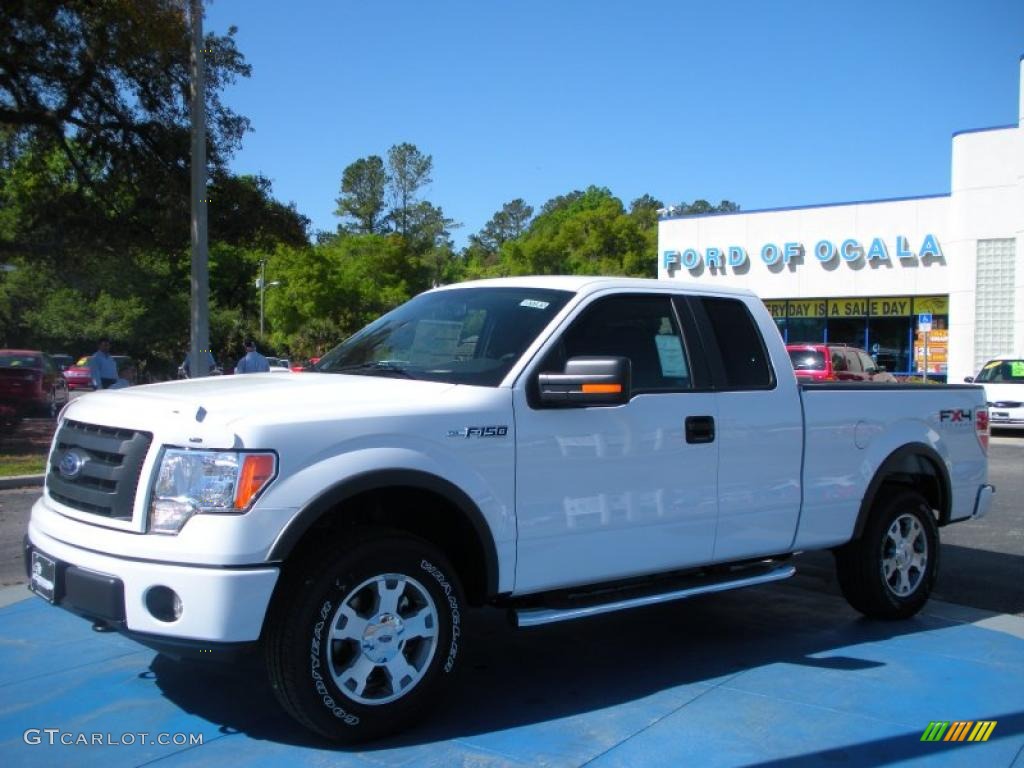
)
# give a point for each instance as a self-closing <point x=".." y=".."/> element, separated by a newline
<point x="475" y="491"/>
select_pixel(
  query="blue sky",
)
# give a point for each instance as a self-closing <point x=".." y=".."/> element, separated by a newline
<point x="767" y="104"/>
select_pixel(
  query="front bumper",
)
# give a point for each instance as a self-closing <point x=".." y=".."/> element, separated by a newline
<point x="219" y="605"/>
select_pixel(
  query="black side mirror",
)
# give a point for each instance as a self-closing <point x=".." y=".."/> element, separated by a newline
<point x="587" y="381"/>
<point x="969" y="379"/>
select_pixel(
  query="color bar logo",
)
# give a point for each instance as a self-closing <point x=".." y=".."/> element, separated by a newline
<point x="959" y="730"/>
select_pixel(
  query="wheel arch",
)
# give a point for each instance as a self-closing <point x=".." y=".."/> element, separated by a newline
<point x="914" y="465"/>
<point x="457" y="521"/>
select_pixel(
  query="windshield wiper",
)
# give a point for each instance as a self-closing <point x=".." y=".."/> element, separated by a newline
<point x="376" y="368"/>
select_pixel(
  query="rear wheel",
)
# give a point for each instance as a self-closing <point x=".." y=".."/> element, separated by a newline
<point x="889" y="572"/>
<point x="363" y="637"/>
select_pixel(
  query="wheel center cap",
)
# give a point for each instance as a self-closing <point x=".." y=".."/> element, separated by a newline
<point x="382" y="638"/>
<point x="902" y="555"/>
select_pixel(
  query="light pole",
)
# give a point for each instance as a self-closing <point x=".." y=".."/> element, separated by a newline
<point x="262" y="284"/>
<point x="199" y="336"/>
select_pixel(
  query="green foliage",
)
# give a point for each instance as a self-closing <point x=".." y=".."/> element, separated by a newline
<point x="584" y="232"/>
<point x="408" y="172"/>
<point x="338" y="286"/>
<point x="362" y="195"/>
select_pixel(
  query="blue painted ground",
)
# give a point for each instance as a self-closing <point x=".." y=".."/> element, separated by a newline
<point x="779" y="675"/>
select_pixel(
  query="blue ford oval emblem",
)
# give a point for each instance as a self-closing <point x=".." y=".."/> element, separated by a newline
<point x="71" y="465"/>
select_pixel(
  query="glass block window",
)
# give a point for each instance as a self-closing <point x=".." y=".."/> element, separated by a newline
<point x="993" y="307"/>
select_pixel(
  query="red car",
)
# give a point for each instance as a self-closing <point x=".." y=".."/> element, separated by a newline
<point x="835" y="362"/>
<point x="78" y="376"/>
<point x="30" y="381"/>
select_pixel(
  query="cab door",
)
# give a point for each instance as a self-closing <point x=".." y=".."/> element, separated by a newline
<point x="760" y="429"/>
<point x="608" y="492"/>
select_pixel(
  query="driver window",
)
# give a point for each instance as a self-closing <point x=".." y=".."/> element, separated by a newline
<point x="641" y="328"/>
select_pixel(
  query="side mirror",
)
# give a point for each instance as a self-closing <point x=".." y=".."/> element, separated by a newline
<point x="968" y="379"/>
<point x="587" y="381"/>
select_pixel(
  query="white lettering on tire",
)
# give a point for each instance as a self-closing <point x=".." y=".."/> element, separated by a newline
<point x="314" y="670"/>
<point x="453" y="603"/>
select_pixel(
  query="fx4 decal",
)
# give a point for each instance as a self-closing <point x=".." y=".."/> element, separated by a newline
<point x="956" y="416"/>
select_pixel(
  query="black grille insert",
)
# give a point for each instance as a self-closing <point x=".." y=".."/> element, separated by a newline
<point x="102" y="472"/>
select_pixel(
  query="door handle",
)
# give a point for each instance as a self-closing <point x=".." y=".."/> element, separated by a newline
<point x="700" y="429"/>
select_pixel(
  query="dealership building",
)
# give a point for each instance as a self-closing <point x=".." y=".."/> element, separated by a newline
<point x="874" y="273"/>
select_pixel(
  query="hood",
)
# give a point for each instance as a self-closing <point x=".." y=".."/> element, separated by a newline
<point x="996" y="392"/>
<point x="224" y="400"/>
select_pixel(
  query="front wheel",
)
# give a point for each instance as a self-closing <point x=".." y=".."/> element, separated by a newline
<point x="362" y="637"/>
<point x="889" y="572"/>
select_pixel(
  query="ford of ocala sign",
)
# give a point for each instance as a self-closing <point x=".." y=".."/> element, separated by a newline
<point x="825" y="251"/>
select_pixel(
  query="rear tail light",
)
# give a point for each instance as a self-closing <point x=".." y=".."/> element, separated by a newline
<point x="981" y="427"/>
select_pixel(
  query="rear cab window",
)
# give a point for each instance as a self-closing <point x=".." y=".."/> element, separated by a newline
<point x="742" y="360"/>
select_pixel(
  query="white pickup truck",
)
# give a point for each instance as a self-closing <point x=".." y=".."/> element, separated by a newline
<point x="560" y="446"/>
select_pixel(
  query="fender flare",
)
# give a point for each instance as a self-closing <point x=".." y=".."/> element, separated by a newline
<point x="892" y="463"/>
<point x="391" y="478"/>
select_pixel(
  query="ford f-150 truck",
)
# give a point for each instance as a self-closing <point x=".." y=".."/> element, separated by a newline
<point x="559" y="446"/>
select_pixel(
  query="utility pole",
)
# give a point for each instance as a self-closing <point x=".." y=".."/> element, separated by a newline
<point x="262" y="284"/>
<point x="200" y="311"/>
<point x="263" y="290"/>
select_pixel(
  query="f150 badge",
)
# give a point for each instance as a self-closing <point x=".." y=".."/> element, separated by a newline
<point x="468" y="432"/>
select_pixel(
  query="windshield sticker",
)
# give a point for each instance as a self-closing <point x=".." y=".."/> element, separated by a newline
<point x="534" y="304"/>
<point x="435" y="342"/>
<point x="1017" y="369"/>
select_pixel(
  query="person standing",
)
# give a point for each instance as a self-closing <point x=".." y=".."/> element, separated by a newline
<point x="186" y="366"/>
<point x="102" y="366"/>
<point x="253" y="362"/>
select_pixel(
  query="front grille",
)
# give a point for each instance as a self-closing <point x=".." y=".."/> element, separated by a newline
<point x="108" y="462"/>
<point x="1006" y="404"/>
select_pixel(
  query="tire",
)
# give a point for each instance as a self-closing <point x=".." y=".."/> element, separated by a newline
<point x="889" y="572"/>
<point x="374" y="676"/>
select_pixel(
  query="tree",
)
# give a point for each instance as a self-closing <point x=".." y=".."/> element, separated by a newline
<point x="408" y="172"/>
<point x="99" y="88"/>
<point x="507" y="224"/>
<point x="362" y="195"/>
<point x="645" y="209"/>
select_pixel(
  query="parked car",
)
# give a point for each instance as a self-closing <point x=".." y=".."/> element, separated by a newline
<point x="30" y="381"/>
<point x="835" y="362"/>
<point x="78" y="376"/>
<point x="279" y="365"/>
<point x="62" y="360"/>
<point x="1003" y="379"/>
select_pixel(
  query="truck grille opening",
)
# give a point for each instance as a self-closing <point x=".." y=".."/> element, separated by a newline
<point x="95" y="469"/>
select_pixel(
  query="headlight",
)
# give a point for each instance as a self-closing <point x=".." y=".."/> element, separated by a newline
<point x="193" y="482"/>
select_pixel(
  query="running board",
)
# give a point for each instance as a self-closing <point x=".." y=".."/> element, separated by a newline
<point x="765" y="574"/>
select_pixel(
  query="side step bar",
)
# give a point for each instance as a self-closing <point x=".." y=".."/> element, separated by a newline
<point x="764" y="574"/>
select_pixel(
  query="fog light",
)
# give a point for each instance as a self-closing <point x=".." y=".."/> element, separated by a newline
<point x="163" y="603"/>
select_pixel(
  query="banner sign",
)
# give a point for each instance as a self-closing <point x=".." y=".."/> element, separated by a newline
<point x="890" y="306"/>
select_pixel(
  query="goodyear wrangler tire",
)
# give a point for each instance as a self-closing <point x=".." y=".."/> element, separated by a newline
<point x="361" y="641"/>
<point x="889" y="572"/>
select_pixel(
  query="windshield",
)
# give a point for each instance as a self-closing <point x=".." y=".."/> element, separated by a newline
<point x="1002" y="372"/>
<point x="11" y="360"/>
<point x="807" y="360"/>
<point x="461" y="336"/>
